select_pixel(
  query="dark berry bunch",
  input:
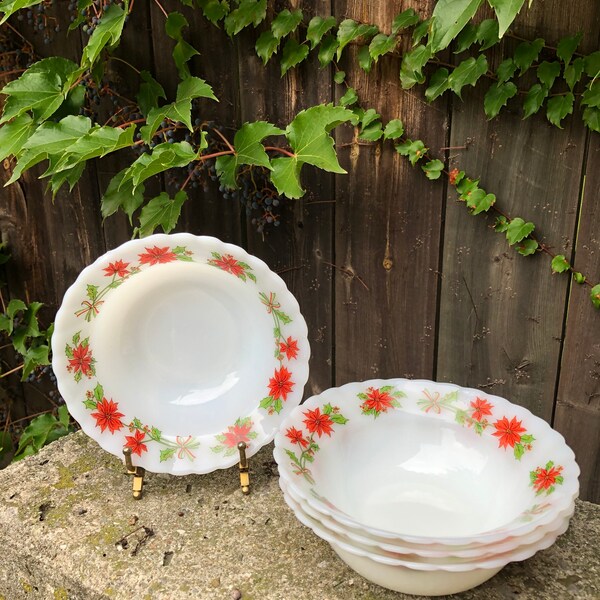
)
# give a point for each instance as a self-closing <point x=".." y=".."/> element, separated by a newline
<point x="91" y="16"/>
<point x="41" y="19"/>
<point x="16" y="55"/>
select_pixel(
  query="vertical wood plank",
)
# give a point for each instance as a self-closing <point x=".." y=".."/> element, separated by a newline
<point x="387" y="226"/>
<point x="577" y="414"/>
<point x="302" y="245"/>
<point x="501" y="314"/>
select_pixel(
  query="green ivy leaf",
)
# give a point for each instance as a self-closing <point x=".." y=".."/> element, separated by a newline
<point x="180" y="110"/>
<point x="506" y="69"/>
<point x="162" y="211"/>
<point x="405" y="19"/>
<point x="266" y="45"/>
<point x="467" y="73"/>
<point x="465" y="39"/>
<point x="34" y="357"/>
<point x="393" y="130"/>
<point x="293" y="54"/>
<point x="433" y="169"/>
<point x="534" y="99"/>
<point x="308" y="136"/>
<point x="9" y="7"/>
<point x="164" y="156"/>
<point x="82" y="6"/>
<point x="119" y="195"/>
<point x="448" y="19"/>
<point x="527" y="247"/>
<point x="438" y="84"/>
<point x="382" y="44"/>
<point x="414" y="150"/>
<point x="595" y="295"/>
<point x="27" y="328"/>
<point x="182" y="52"/>
<point x="41" y="431"/>
<point x="526" y="53"/>
<point x="339" y="77"/>
<point x="349" y="98"/>
<point x="591" y="95"/>
<point x="248" y="151"/>
<point x="149" y="93"/>
<point x="350" y="30"/>
<point x="559" y="107"/>
<point x="50" y="141"/>
<point x="411" y="69"/>
<point x="574" y="71"/>
<point x="501" y="224"/>
<point x="487" y="34"/>
<point x="591" y="118"/>
<point x="98" y="142"/>
<point x="483" y="204"/>
<point x="497" y="97"/>
<point x="285" y="23"/>
<point x="249" y="12"/>
<point x="579" y="278"/>
<point x="106" y="34"/>
<point x="421" y="30"/>
<point x="371" y="132"/>
<point x="518" y="230"/>
<point x="506" y="11"/>
<point x="547" y="72"/>
<point x="591" y="64"/>
<point x="317" y="28"/>
<point x="327" y="50"/>
<point x="214" y="10"/>
<point x="13" y="135"/>
<point x="41" y="89"/>
<point x="560" y="264"/>
<point x="365" y="60"/>
<point x="567" y="46"/>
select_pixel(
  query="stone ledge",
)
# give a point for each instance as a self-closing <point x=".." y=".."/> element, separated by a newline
<point x="66" y="512"/>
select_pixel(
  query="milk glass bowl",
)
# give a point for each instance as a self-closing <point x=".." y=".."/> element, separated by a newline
<point x="445" y="471"/>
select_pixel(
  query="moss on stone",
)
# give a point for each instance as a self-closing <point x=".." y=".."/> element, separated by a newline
<point x="27" y="587"/>
<point x="65" y="478"/>
<point x="61" y="594"/>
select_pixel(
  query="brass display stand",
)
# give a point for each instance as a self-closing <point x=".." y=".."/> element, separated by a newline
<point x="139" y="472"/>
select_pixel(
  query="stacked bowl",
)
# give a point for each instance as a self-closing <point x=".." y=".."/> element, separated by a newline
<point x="422" y="487"/>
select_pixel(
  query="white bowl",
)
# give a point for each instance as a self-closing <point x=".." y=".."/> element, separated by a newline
<point x="427" y="551"/>
<point x="431" y="577"/>
<point x="426" y="463"/>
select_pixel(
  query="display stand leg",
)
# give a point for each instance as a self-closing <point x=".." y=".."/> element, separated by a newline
<point x="137" y="472"/>
<point x="244" y="469"/>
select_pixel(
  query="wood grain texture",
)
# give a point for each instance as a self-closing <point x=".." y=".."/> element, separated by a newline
<point x="501" y="314"/>
<point x="578" y="401"/>
<point x="387" y="230"/>
<point x="302" y="246"/>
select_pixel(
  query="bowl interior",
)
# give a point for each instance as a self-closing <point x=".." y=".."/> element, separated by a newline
<point x="420" y="476"/>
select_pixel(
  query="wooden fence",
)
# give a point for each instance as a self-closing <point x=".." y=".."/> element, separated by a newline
<point x="394" y="277"/>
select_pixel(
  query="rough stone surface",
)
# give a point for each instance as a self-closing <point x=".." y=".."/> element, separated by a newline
<point x="69" y="529"/>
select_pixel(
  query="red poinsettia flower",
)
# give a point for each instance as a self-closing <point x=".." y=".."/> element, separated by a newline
<point x="118" y="268"/>
<point x="280" y="385"/>
<point x="546" y="478"/>
<point x="156" y="255"/>
<point x="318" y="422"/>
<point x="289" y="348"/>
<point x="82" y="360"/>
<point x="481" y="408"/>
<point x="236" y="434"/>
<point x="296" y="437"/>
<point x="377" y="400"/>
<point x="135" y="442"/>
<point x="509" y="433"/>
<point x="108" y="415"/>
<point x="229" y="264"/>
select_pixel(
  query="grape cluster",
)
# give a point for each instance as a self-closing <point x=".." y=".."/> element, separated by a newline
<point x="91" y="15"/>
<point x="15" y="55"/>
<point x="40" y="20"/>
